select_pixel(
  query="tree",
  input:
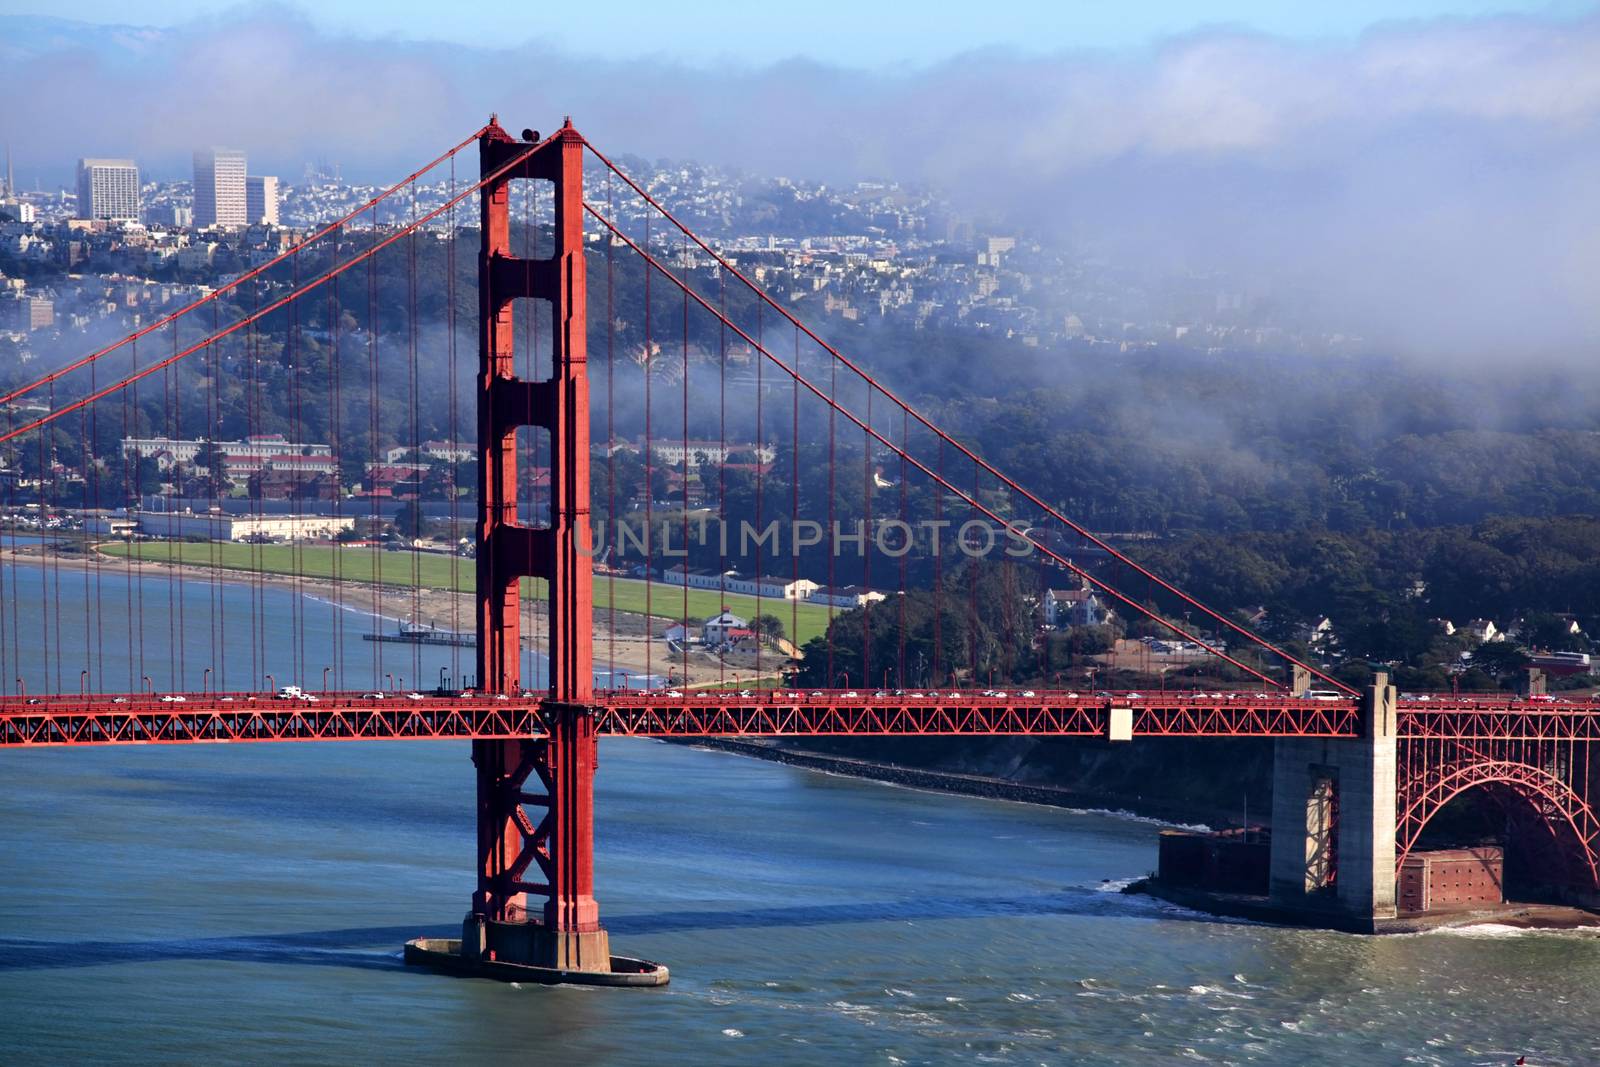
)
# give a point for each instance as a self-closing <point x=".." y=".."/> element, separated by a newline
<point x="1553" y="633"/>
<point x="409" y="520"/>
<point x="1499" y="658"/>
<point x="768" y="627"/>
<point x="437" y="483"/>
<point x="210" y="465"/>
<point x="147" y="476"/>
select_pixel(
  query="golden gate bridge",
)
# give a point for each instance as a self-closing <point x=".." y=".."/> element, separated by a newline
<point x="1359" y="774"/>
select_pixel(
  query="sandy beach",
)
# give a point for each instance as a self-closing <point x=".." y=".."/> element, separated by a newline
<point x="624" y="642"/>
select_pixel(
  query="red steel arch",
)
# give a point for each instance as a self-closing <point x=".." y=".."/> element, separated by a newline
<point x="1553" y="799"/>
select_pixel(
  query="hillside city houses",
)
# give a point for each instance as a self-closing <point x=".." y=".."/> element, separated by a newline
<point x="119" y="247"/>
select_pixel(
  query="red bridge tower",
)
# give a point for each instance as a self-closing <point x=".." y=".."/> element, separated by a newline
<point x="548" y="853"/>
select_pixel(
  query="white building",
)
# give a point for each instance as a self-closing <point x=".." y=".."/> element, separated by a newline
<point x="250" y="455"/>
<point x="460" y="452"/>
<point x="720" y="629"/>
<point x="715" y="452"/>
<point x="770" y="586"/>
<point x="684" y="633"/>
<point x="1074" y="607"/>
<point x="220" y="527"/>
<point x="219" y="187"/>
<point x="844" y="596"/>
<point x="261" y="200"/>
<point x="108" y="189"/>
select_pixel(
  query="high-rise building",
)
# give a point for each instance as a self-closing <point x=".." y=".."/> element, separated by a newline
<point x="108" y="189"/>
<point x="261" y="199"/>
<point x="219" y="184"/>
<point x="33" y="313"/>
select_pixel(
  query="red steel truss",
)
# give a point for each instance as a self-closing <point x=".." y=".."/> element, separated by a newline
<point x="243" y="717"/>
<point x="1451" y="726"/>
<point x="348" y="717"/>
<point x="711" y="714"/>
<point x="1533" y="757"/>
<point x="211" y="719"/>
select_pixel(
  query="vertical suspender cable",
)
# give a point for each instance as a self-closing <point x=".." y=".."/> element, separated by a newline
<point x="905" y="550"/>
<point x="174" y="544"/>
<point x="215" y="480"/>
<point x="833" y="526"/>
<point x="684" y="267"/>
<point x="938" y="571"/>
<point x="866" y="547"/>
<point x="336" y="450"/>
<point x="137" y="614"/>
<point x="50" y="602"/>
<point x="611" y="443"/>
<point x="972" y="587"/>
<point x="722" y="443"/>
<point x="415" y="441"/>
<point x="761" y="485"/>
<point x="794" y="492"/>
<point x="455" y="430"/>
<point x="374" y="427"/>
<point x="651" y="548"/>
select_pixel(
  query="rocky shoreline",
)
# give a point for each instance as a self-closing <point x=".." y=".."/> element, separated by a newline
<point x="1167" y="812"/>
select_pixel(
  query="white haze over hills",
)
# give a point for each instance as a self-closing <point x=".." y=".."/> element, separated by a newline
<point x="1436" y="183"/>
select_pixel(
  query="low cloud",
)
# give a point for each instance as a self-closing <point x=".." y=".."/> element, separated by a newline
<point x="1432" y="184"/>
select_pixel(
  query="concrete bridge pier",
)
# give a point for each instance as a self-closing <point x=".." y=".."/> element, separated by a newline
<point x="1333" y="819"/>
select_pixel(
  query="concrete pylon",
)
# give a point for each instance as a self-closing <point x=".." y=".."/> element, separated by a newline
<point x="1333" y="818"/>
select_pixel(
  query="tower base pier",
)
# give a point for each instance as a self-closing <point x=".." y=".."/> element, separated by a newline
<point x="535" y="944"/>
<point x="450" y="956"/>
<point x="1333" y="819"/>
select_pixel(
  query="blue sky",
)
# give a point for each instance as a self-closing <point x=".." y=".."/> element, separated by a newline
<point x="853" y="32"/>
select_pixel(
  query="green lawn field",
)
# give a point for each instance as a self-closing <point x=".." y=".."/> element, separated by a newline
<point x="434" y="571"/>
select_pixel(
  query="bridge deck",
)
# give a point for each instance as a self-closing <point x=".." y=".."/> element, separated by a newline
<point x="239" y="717"/>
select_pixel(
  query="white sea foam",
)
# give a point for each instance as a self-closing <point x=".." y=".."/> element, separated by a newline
<point x="1502" y="931"/>
<point x="1128" y="816"/>
<point x="1114" y="885"/>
